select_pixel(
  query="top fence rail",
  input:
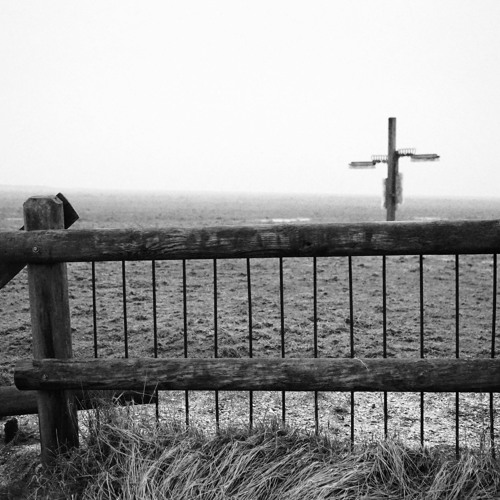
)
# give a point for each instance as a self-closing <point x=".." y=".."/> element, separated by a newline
<point x="263" y="241"/>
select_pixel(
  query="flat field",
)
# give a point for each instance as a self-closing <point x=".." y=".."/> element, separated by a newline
<point x="186" y="322"/>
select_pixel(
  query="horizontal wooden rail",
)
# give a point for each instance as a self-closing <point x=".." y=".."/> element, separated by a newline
<point x="16" y="402"/>
<point x="375" y="238"/>
<point x="325" y="374"/>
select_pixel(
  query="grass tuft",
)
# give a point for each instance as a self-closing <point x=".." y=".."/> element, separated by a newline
<point x="123" y="456"/>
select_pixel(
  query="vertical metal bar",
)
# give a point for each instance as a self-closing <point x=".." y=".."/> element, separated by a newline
<point x="216" y="342"/>
<point x="384" y="330"/>
<point x="155" y="330"/>
<point x="351" y="340"/>
<point x="124" y="293"/>
<point x="457" y="352"/>
<point x="492" y="427"/>
<point x="282" y="314"/>
<point x="184" y="303"/>
<point x="493" y="335"/>
<point x="315" y="326"/>
<point x="155" y="318"/>
<point x="457" y="307"/>
<point x="494" y="307"/>
<point x="94" y="308"/>
<point x="94" y="316"/>
<point x="421" y="281"/>
<point x="250" y="337"/>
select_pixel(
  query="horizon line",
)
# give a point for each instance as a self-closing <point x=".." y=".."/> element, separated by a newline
<point x="42" y="189"/>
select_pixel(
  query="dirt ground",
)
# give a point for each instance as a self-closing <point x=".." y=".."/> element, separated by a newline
<point x="196" y="331"/>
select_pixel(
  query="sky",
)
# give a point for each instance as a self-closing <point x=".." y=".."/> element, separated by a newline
<point x="260" y="96"/>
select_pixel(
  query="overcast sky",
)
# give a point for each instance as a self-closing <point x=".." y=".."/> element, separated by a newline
<point x="249" y="96"/>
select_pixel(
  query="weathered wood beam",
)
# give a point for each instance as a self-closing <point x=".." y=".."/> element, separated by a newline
<point x="51" y="330"/>
<point x="9" y="270"/>
<point x="374" y="238"/>
<point x="325" y="374"/>
<point x="15" y="402"/>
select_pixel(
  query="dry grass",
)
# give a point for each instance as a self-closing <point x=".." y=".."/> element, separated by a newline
<point x="124" y="456"/>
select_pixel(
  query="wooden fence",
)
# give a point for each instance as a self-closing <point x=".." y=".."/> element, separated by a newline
<point x="46" y="246"/>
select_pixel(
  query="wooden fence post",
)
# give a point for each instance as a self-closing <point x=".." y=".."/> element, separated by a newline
<point x="51" y="329"/>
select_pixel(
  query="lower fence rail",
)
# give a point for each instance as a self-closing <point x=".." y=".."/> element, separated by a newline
<point x="16" y="402"/>
<point x="264" y="374"/>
